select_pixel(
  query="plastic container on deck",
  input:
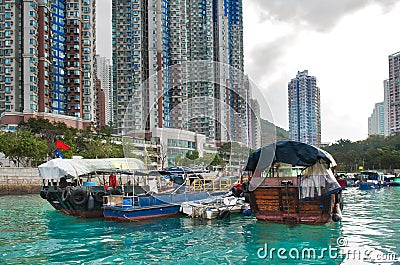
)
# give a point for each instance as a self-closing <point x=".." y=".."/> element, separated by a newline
<point x="88" y="183"/>
<point x="126" y="201"/>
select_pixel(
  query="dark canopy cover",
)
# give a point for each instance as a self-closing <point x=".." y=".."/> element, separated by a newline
<point x="289" y="152"/>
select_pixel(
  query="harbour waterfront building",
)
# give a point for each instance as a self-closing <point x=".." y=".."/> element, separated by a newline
<point x="47" y="61"/>
<point x="394" y="94"/>
<point x="164" y="73"/>
<point x="376" y="122"/>
<point x="304" y="109"/>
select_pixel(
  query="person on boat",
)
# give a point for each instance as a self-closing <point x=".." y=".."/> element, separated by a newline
<point x="113" y="180"/>
<point x="342" y="182"/>
<point x="63" y="182"/>
<point x="237" y="189"/>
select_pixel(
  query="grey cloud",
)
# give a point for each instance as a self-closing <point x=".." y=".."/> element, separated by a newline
<point x="316" y="14"/>
<point x="103" y="28"/>
<point x="264" y="58"/>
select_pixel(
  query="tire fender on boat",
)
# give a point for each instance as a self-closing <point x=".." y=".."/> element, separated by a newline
<point x="78" y="197"/>
<point x="65" y="195"/>
<point x="51" y="196"/>
<point x="43" y="194"/>
<point x="98" y="196"/>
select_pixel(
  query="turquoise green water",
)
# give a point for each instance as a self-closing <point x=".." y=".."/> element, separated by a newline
<point x="32" y="232"/>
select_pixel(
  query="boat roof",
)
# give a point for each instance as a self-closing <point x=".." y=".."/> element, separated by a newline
<point x="181" y="170"/>
<point x="58" y="168"/>
<point x="289" y="152"/>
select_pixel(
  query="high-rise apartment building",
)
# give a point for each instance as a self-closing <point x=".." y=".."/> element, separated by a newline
<point x="376" y="122"/>
<point x="393" y="94"/>
<point x="47" y="61"/>
<point x="163" y="65"/>
<point x="104" y="74"/>
<point x="386" y="107"/>
<point x="304" y="109"/>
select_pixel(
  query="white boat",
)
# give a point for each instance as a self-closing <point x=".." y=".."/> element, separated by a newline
<point x="215" y="208"/>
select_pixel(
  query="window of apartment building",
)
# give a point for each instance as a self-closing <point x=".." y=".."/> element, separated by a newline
<point x="33" y="23"/>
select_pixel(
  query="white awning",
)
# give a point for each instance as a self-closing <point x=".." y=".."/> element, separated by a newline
<point x="58" y="168"/>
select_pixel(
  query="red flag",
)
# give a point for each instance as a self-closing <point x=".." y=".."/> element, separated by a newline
<point x="61" y="145"/>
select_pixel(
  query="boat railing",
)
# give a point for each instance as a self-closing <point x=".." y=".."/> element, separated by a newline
<point x="279" y="181"/>
<point x="211" y="184"/>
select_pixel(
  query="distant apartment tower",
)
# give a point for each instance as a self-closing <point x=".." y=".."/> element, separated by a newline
<point x="104" y="74"/>
<point x="376" y="122"/>
<point x="386" y="107"/>
<point x="100" y="106"/>
<point x="304" y="109"/>
<point x="149" y="36"/>
<point x="47" y="61"/>
<point x="394" y="94"/>
<point x="255" y="125"/>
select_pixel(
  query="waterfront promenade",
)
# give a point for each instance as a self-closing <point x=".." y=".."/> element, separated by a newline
<point x="19" y="180"/>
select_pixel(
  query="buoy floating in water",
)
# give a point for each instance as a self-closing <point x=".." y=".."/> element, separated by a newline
<point x="246" y="212"/>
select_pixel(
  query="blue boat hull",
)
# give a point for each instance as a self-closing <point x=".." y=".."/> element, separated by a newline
<point x="368" y="186"/>
<point x="117" y="213"/>
<point x="145" y="207"/>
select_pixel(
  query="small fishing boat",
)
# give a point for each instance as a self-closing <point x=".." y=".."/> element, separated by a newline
<point x="371" y="180"/>
<point x="293" y="182"/>
<point x="77" y="186"/>
<point x="395" y="182"/>
<point x="133" y="208"/>
<point x="165" y="203"/>
<point x="392" y="180"/>
<point x="216" y="208"/>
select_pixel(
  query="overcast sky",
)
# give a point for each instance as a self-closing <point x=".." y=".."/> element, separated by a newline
<point x="345" y="44"/>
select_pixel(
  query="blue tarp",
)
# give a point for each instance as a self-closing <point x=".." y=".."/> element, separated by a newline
<point x="288" y="152"/>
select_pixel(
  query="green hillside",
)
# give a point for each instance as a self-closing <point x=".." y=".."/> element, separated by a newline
<point x="268" y="130"/>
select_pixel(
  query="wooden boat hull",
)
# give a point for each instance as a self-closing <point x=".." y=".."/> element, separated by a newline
<point x="281" y="204"/>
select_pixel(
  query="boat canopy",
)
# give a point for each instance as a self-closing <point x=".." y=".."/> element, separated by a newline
<point x="288" y="152"/>
<point x="58" y="168"/>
